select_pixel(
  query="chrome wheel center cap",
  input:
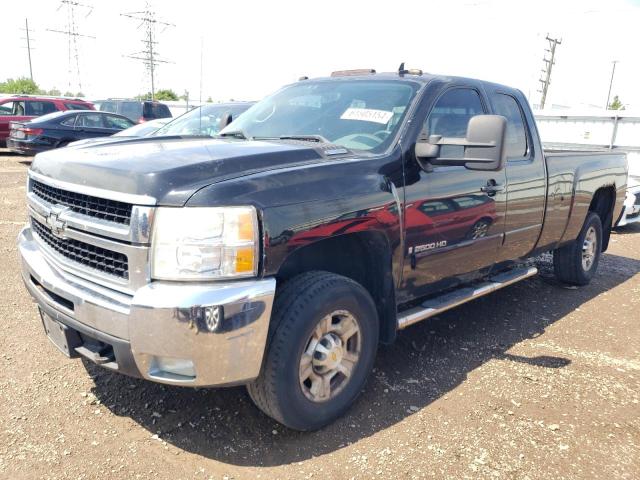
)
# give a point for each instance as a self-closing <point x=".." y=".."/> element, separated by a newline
<point x="328" y="353"/>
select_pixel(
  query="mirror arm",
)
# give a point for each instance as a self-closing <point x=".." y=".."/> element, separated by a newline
<point x="463" y="142"/>
<point x="464" y="160"/>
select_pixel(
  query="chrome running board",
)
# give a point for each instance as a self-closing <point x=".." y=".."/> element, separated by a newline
<point x="440" y="304"/>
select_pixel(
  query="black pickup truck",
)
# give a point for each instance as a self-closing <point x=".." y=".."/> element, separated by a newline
<point x="327" y="217"/>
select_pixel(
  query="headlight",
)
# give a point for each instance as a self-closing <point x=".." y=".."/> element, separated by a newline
<point x="199" y="243"/>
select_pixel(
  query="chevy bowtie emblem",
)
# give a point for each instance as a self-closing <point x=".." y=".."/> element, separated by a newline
<point x="56" y="224"/>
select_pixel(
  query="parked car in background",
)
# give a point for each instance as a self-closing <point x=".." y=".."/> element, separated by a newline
<point x="24" y="107"/>
<point x="631" y="211"/>
<point x="59" y="129"/>
<point x="137" y="110"/>
<point x="205" y="120"/>
<point x="140" y="130"/>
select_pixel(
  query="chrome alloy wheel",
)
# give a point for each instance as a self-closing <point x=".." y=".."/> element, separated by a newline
<point x="589" y="249"/>
<point x="330" y="356"/>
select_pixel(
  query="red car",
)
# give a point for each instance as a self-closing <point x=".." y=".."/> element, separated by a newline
<point x="452" y="220"/>
<point x="21" y="108"/>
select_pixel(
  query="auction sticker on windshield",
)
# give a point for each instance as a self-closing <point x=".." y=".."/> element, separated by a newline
<point x="367" y="115"/>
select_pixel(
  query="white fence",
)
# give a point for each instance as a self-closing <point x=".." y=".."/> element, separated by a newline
<point x="611" y="130"/>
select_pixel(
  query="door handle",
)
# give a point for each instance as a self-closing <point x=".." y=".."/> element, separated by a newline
<point x="491" y="188"/>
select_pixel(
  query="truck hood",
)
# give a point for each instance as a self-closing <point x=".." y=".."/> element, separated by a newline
<point x="171" y="169"/>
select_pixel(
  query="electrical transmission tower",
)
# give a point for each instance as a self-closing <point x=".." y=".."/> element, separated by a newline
<point x="548" y="66"/>
<point x="149" y="56"/>
<point x="28" y="39"/>
<point x="71" y="31"/>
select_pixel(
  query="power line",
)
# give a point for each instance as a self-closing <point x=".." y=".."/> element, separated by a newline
<point x="71" y="31"/>
<point x="548" y="66"/>
<point x="149" y="55"/>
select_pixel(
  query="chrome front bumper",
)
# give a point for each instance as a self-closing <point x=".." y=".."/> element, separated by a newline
<point x="160" y="323"/>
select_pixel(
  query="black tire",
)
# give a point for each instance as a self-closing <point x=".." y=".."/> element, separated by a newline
<point x="62" y="143"/>
<point x="299" y="306"/>
<point x="568" y="260"/>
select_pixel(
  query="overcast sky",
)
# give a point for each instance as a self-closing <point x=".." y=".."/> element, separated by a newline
<point x="251" y="48"/>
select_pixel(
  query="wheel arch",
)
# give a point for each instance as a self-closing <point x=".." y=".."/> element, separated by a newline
<point x="603" y="203"/>
<point x="364" y="257"/>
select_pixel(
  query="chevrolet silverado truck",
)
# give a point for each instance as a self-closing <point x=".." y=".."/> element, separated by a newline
<point x="329" y="216"/>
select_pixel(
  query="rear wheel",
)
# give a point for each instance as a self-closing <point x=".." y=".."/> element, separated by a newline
<point x="577" y="262"/>
<point x="323" y="340"/>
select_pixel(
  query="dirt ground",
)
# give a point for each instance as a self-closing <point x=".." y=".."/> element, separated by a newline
<point x="536" y="381"/>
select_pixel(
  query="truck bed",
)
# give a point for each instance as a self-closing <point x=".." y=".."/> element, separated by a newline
<point x="573" y="178"/>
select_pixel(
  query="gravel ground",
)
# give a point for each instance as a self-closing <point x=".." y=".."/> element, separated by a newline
<point x="537" y="381"/>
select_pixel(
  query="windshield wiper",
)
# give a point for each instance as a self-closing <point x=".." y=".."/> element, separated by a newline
<point x="179" y="135"/>
<point x="303" y="138"/>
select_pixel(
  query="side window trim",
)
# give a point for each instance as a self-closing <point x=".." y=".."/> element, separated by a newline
<point x="529" y="155"/>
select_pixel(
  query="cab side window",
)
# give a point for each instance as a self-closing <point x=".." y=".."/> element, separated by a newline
<point x="516" y="136"/>
<point x="6" y="108"/>
<point x="450" y="117"/>
<point x="117" y="123"/>
<point x="69" y="122"/>
<point x="38" y="107"/>
<point x="89" y="120"/>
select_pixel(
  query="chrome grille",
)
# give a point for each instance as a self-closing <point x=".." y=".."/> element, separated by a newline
<point x="98" y="258"/>
<point x="102" y="208"/>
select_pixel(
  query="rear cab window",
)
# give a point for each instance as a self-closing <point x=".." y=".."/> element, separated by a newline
<point x="516" y="135"/>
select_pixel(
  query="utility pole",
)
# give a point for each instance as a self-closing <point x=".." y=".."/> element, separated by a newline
<point x="71" y="31"/>
<point x="151" y="64"/>
<point x="28" y="39"/>
<point x="201" y="47"/>
<point x="149" y="55"/>
<point x="613" y="72"/>
<point x="548" y="66"/>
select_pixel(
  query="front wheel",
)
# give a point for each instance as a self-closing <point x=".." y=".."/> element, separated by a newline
<point x="577" y="262"/>
<point x="323" y="340"/>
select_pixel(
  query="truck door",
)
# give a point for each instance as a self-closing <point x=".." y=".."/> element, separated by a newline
<point x="526" y="183"/>
<point x="452" y="227"/>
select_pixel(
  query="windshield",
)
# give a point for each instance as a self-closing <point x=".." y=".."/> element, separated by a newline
<point x="355" y="114"/>
<point x="204" y="120"/>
